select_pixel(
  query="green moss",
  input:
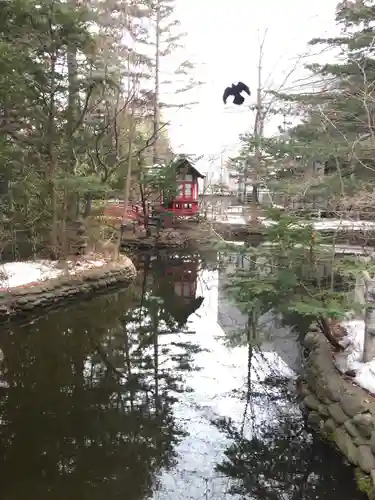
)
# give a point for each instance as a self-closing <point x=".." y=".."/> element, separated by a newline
<point x="331" y="436"/>
<point x="364" y="482"/>
<point x="328" y="435"/>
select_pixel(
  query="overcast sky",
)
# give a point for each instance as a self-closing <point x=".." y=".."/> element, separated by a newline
<point x="223" y="40"/>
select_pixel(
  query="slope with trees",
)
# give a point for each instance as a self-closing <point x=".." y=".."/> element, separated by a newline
<point x="78" y="115"/>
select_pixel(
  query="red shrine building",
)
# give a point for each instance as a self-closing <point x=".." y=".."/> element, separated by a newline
<point x="186" y="203"/>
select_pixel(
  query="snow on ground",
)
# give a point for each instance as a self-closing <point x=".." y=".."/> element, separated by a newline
<point x="337" y="224"/>
<point x="17" y="274"/>
<point x="332" y="224"/>
<point x="319" y="225"/>
<point x="332" y="249"/>
<point x="351" y="357"/>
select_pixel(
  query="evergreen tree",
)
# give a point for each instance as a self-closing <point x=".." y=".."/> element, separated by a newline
<point x="75" y="112"/>
<point x="337" y="119"/>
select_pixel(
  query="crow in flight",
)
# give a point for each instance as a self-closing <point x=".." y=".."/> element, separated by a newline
<point x="235" y="91"/>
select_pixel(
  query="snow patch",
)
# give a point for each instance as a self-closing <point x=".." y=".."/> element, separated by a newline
<point x="18" y="274"/>
<point x="351" y="357"/>
<point x="319" y="225"/>
<point x="331" y="224"/>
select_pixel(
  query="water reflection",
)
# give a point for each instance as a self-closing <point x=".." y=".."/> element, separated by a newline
<point x="86" y="405"/>
<point x="279" y="458"/>
<point x="115" y="398"/>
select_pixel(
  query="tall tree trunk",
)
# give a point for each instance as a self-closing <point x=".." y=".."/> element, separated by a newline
<point x="51" y="135"/>
<point x="143" y="198"/>
<point x="155" y="158"/>
<point x="71" y="201"/>
<point x="132" y="132"/>
<point x="73" y="104"/>
<point x="88" y="205"/>
<point x="128" y="176"/>
<point x="258" y="128"/>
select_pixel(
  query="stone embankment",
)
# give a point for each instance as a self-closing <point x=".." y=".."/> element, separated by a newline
<point x="343" y="412"/>
<point x="36" y="297"/>
<point x="166" y="239"/>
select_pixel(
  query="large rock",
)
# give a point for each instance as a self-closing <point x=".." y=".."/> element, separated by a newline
<point x="351" y="429"/>
<point x="329" y="427"/>
<point x="171" y="237"/>
<point x="366" y="460"/>
<point x="351" y="404"/>
<point x="337" y="413"/>
<point x="314" y="420"/>
<point x="323" y="410"/>
<point x="345" y="445"/>
<point x="361" y="441"/>
<point x="311" y="402"/>
<point x="364" y="423"/>
<point x="372" y="442"/>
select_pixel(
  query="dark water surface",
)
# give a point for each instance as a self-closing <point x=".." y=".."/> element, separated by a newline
<point x="134" y="395"/>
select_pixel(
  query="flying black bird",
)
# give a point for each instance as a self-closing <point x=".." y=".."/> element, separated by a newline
<point x="235" y="91"/>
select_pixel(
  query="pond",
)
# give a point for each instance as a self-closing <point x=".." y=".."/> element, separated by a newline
<point x="137" y="395"/>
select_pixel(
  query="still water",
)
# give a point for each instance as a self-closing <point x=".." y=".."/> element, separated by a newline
<point x="138" y="395"/>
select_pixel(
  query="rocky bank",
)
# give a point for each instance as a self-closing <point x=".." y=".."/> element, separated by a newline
<point x="166" y="239"/>
<point x="36" y="297"/>
<point x="343" y="412"/>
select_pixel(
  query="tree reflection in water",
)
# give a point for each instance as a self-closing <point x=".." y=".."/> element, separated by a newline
<point x="85" y="403"/>
<point x="278" y="458"/>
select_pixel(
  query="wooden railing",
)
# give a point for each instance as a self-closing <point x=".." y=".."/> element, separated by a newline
<point x="115" y="210"/>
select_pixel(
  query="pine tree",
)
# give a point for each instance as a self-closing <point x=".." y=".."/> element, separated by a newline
<point x="37" y="40"/>
<point x="337" y="126"/>
<point x="335" y="136"/>
<point x="163" y="38"/>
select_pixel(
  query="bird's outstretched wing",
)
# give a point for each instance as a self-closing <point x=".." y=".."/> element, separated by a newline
<point x="227" y="92"/>
<point x="241" y="87"/>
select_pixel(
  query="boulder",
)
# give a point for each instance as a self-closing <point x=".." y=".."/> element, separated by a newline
<point x="346" y="446"/>
<point x="337" y="413"/>
<point x="364" y="422"/>
<point x="366" y="460"/>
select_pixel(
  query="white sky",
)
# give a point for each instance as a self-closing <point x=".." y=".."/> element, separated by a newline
<point x="223" y="39"/>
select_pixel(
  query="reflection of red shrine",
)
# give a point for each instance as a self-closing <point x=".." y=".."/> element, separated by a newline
<point x="181" y="276"/>
<point x="184" y="276"/>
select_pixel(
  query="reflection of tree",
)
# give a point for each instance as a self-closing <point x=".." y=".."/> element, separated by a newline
<point x="271" y="456"/>
<point x="281" y="460"/>
<point x="154" y="317"/>
<point x="85" y="404"/>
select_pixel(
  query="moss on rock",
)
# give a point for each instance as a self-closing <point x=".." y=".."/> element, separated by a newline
<point x="364" y="482"/>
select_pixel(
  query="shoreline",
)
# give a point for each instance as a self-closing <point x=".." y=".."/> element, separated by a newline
<point x="339" y="410"/>
<point x="36" y="296"/>
<point x="178" y="237"/>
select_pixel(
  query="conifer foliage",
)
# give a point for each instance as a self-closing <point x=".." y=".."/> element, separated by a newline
<point x="79" y="97"/>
